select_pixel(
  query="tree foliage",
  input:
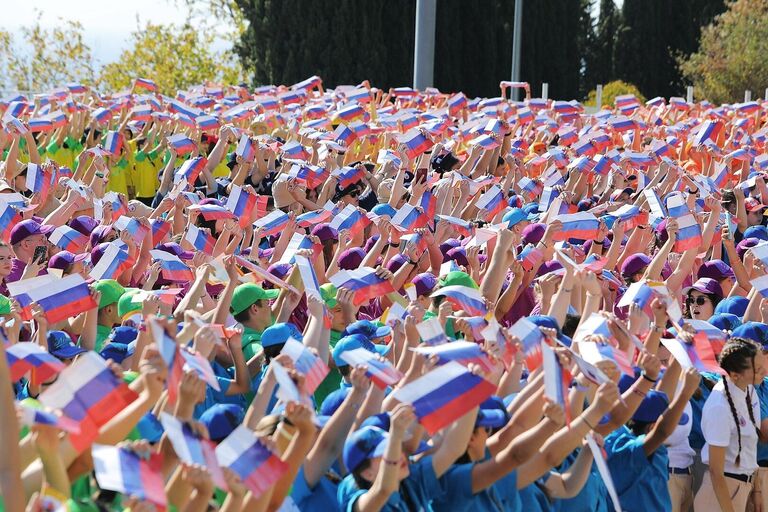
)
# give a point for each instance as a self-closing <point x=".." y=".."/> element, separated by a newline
<point x="174" y="56"/>
<point x="45" y="58"/>
<point x="611" y="90"/>
<point x="731" y="58"/>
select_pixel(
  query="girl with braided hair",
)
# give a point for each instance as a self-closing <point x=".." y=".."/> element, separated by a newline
<point x="728" y="422"/>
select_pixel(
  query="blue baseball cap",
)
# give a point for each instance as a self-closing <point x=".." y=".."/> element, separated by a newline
<point x="755" y="331"/>
<point x="123" y="334"/>
<point x="531" y="209"/>
<point x="221" y="420"/>
<point x="365" y="443"/>
<point x="734" y="305"/>
<point x="333" y="401"/>
<point x="760" y="232"/>
<point x="725" y="321"/>
<point x="60" y="345"/>
<point x="384" y="209"/>
<point x="492" y="413"/>
<point x="653" y="405"/>
<point x="368" y="329"/>
<point x="516" y="216"/>
<point x="117" y="352"/>
<point x="352" y="342"/>
<point x="279" y="333"/>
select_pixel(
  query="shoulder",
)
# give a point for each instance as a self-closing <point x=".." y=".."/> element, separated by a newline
<point x="348" y="493"/>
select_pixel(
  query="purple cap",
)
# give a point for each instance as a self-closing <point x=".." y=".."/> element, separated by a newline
<point x="265" y="254"/>
<point x="746" y="244"/>
<point x="717" y="270"/>
<point x="448" y="245"/>
<point x="396" y="262"/>
<point x="351" y="258"/>
<point x="83" y="224"/>
<point x="459" y="255"/>
<point x="533" y="233"/>
<point x="547" y="267"/>
<point x="279" y="270"/>
<point x="325" y="232"/>
<point x="211" y="200"/>
<point x="176" y="250"/>
<point x="634" y="263"/>
<point x="661" y="231"/>
<point x="63" y="259"/>
<point x="706" y="285"/>
<point x="99" y="233"/>
<point x="97" y="252"/>
<point x="424" y="283"/>
<point x="28" y="228"/>
<point x="370" y="243"/>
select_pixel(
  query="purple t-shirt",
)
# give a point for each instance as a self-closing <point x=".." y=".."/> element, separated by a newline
<point x="17" y="269"/>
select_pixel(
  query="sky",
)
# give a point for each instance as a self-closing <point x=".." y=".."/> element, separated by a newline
<point x="107" y="25"/>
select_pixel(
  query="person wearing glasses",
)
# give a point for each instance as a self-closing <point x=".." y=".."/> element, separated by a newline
<point x="702" y="298"/>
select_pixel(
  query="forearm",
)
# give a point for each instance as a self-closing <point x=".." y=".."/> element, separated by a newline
<point x="720" y="487"/>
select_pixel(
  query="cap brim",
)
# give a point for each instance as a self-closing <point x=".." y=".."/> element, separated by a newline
<point x="271" y="294"/>
<point x="47" y="228"/>
<point x="81" y="257"/>
<point x="382" y="331"/>
<point x="382" y="350"/>
<point x="186" y="255"/>
<point x="69" y="352"/>
<point x="493" y="418"/>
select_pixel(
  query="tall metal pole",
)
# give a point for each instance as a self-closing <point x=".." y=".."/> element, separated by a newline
<point x="516" y="45"/>
<point x="424" y="52"/>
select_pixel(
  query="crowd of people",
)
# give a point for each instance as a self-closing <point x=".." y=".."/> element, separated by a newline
<point x="300" y="298"/>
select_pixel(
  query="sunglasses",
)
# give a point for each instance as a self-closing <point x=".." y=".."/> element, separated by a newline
<point x="354" y="193"/>
<point x="699" y="301"/>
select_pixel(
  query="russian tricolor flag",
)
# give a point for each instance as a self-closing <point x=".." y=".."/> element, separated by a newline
<point x="212" y="211"/>
<point x="251" y="460"/>
<point x="192" y="449"/>
<point x="63" y="298"/>
<point x="37" y="181"/>
<point x="245" y="148"/>
<point x="348" y="175"/>
<point x="308" y="84"/>
<point x="530" y="337"/>
<point x="172" y="268"/>
<point x="112" y="262"/>
<point x="530" y="256"/>
<point x="430" y="330"/>
<point x="306" y="220"/>
<point x="465" y="298"/>
<point x="415" y="143"/>
<point x="89" y="393"/>
<point x="583" y="147"/>
<point x="207" y="123"/>
<point x="101" y="115"/>
<point x="382" y="373"/>
<point x="444" y="395"/>
<point x="529" y="188"/>
<point x="709" y="130"/>
<point x="363" y="282"/>
<point x="272" y="223"/>
<point x="124" y="471"/>
<point x="29" y="416"/>
<point x="631" y="215"/>
<point x="141" y="113"/>
<point x="241" y="204"/>
<point x="688" y="233"/>
<point x="408" y="219"/>
<point x="677" y="206"/>
<point x="705" y="332"/>
<point x="40" y="124"/>
<point x="181" y="143"/>
<point x="485" y="141"/>
<point x="306" y="363"/>
<point x="28" y="357"/>
<point x="132" y="226"/>
<point x="581" y="226"/>
<point x="293" y="149"/>
<point x="492" y="201"/>
<point x="344" y="134"/>
<point x="145" y="83"/>
<point x="351" y="219"/>
<point x="463" y="352"/>
<point x="160" y="228"/>
<point x="622" y="124"/>
<point x="200" y="240"/>
<point x="557" y="378"/>
<point x="456" y="103"/>
<point x="113" y="143"/>
<point x="350" y="113"/>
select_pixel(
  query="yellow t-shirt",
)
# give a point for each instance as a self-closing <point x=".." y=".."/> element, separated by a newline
<point x="145" y="173"/>
<point x="119" y="178"/>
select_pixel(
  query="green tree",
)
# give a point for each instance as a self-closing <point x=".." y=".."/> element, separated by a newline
<point x="174" y="56"/>
<point x="731" y="58"/>
<point x="600" y="50"/>
<point x="611" y="90"/>
<point x="42" y="59"/>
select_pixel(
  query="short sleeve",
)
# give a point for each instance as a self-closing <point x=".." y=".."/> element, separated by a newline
<point x="224" y="384"/>
<point x="348" y="493"/>
<point x="52" y="148"/>
<point x="423" y="476"/>
<point x="456" y="484"/>
<point x="300" y="489"/>
<point x="140" y="156"/>
<point x="716" y="425"/>
<point x="626" y="457"/>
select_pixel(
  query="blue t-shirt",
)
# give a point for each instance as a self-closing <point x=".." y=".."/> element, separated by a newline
<point x="415" y="493"/>
<point x="457" y="492"/>
<point x="640" y="481"/>
<point x="321" y="497"/>
<point x="762" y="395"/>
<point x="213" y="397"/>
<point x="592" y="497"/>
<point x="696" y="437"/>
<point x="534" y="499"/>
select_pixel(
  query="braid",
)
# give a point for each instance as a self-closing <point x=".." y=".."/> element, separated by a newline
<point x="735" y="418"/>
<point x="748" y="398"/>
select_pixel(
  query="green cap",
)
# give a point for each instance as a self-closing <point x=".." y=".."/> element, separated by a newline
<point x="328" y="294"/>
<point x="457" y="278"/>
<point x="247" y="294"/>
<point x="126" y="305"/>
<point x="111" y="291"/>
<point x="5" y="305"/>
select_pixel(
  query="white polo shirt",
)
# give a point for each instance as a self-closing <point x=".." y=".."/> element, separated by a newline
<point x="719" y="427"/>
<point x="679" y="450"/>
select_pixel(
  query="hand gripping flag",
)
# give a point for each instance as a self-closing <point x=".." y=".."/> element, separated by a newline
<point x="190" y="170"/>
<point x="30" y="416"/>
<point x="114" y="261"/>
<point x="381" y="372"/>
<point x="200" y="240"/>
<point x="63" y="298"/>
<point x="191" y="448"/>
<point x="464" y="298"/>
<point x="172" y="268"/>
<point x="557" y="379"/>
<point x="170" y="352"/>
<point x="124" y="471"/>
<point x="444" y="395"/>
<point x="245" y="148"/>
<point x="463" y="352"/>
<point x="251" y="460"/>
<point x="706" y="333"/>
<point x="160" y="228"/>
<point x="89" y="393"/>
<point x="492" y="201"/>
<point x="273" y="223"/>
<point x="688" y="234"/>
<point x="530" y="337"/>
<point x="415" y="143"/>
<point x="631" y="215"/>
<point x="350" y="219"/>
<point x="582" y="226"/>
<point x="30" y="358"/>
<point x="241" y="204"/>
<point x="364" y="283"/>
<point x="306" y="363"/>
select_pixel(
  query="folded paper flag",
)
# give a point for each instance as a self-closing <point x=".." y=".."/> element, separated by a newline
<point x="257" y="466"/>
<point x="30" y="358"/>
<point x="444" y="395"/>
<point x="463" y="352"/>
<point x="172" y="268"/>
<point x="181" y="143"/>
<point x="381" y="372"/>
<point x="30" y="416"/>
<point x="273" y="223"/>
<point x="211" y="211"/>
<point x="465" y="298"/>
<point x="200" y="240"/>
<point x="124" y="471"/>
<point x="431" y="331"/>
<point x="363" y="282"/>
<point x="191" y="448"/>
<point x="530" y="337"/>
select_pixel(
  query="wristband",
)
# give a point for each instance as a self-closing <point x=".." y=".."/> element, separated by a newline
<point x="392" y="244"/>
<point x="390" y="462"/>
<point x="638" y="392"/>
<point x="646" y="377"/>
<point x="588" y="423"/>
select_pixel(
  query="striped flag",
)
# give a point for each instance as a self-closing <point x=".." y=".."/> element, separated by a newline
<point x="141" y="113"/>
<point x="160" y="228"/>
<point x="430" y="330"/>
<point x="463" y="352"/>
<point x="89" y="393"/>
<point x="363" y="282"/>
<point x="124" y="471"/>
<point x="444" y="395"/>
<point x="172" y="268"/>
<point x="582" y="226"/>
<point x="306" y="220"/>
<point x="211" y="211"/>
<point x="251" y="460"/>
<point x="348" y="175"/>
<point x="245" y="148"/>
<point x="181" y="143"/>
<point x="207" y="123"/>
<point x="641" y="295"/>
<point x="415" y="143"/>
<point x="705" y="332"/>
<point x="709" y="130"/>
<point x="293" y="149"/>
<point x="200" y="240"/>
<point x="241" y="204"/>
<point x="492" y="201"/>
<point x="688" y="233"/>
<point x="529" y="188"/>
<point x="530" y="256"/>
<point x="30" y="358"/>
<point x="631" y="216"/>
<point x="382" y="373"/>
<point x="456" y="103"/>
<point x="38" y="181"/>
<point x="113" y="143"/>
<point x="170" y="352"/>
<point x="30" y="416"/>
<point x="557" y="379"/>
<point x="273" y="223"/>
<point x="464" y="298"/>
<point x="408" y="218"/>
<point x="145" y="83"/>
<point x="350" y="219"/>
<point x="64" y="298"/>
<point x="530" y="337"/>
<point x="112" y="263"/>
<point x="192" y="449"/>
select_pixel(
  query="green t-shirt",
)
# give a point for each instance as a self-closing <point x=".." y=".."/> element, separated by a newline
<point x="251" y="343"/>
<point x="449" y="330"/>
